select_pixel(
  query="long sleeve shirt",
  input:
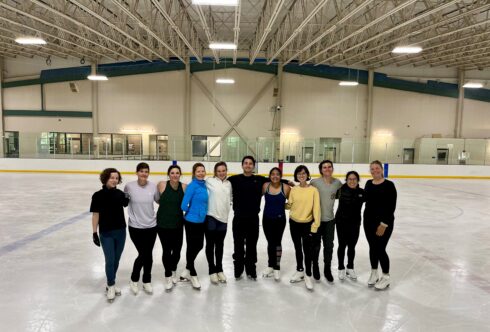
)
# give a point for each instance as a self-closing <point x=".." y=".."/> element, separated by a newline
<point x="219" y="202"/>
<point x="195" y="202"/>
<point x="304" y="205"/>
<point x="109" y="204"/>
<point x="380" y="203"/>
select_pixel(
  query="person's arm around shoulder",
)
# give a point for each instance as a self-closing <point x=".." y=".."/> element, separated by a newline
<point x="264" y="187"/>
<point x="125" y="197"/>
<point x="290" y="202"/>
<point x="187" y="197"/>
<point x="156" y="195"/>
<point x="287" y="190"/>
<point x="316" y="211"/>
<point x="161" y="186"/>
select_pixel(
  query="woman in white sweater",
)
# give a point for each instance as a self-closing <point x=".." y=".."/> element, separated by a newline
<point x="219" y="204"/>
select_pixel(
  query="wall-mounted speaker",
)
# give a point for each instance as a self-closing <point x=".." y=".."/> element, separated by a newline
<point x="74" y="87"/>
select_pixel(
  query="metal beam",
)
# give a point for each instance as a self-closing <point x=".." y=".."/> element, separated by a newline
<point x="330" y="29"/>
<point x="445" y="49"/>
<point x="453" y="56"/>
<point x="297" y="30"/>
<point x="236" y="29"/>
<point x="49" y="47"/>
<point x="121" y="31"/>
<point x="148" y="30"/>
<point x="358" y="31"/>
<point x="396" y="27"/>
<point x="459" y="110"/>
<point x="270" y="12"/>
<point x="449" y="33"/>
<point x="44" y="33"/>
<point x="62" y="30"/>
<point x="221" y="110"/>
<point x="207" y="31"/>
<point x="195" y="49"/>
<point x="85" y="27"/>
<point x="405" y="36"/>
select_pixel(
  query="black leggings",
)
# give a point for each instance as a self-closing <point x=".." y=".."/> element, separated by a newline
<point x="348" y="235"/>
<point x="215" y="233"/>
<point x="302" y="239"/>
<point x="171" y="240"/>
<point x="144" y="240"/>
<point x="377" y="246"/>
<point x="194" y="236"/>
<point x="273" y="230"/>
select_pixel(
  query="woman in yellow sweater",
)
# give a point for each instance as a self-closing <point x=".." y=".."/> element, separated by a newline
<point x="304" y="220"/>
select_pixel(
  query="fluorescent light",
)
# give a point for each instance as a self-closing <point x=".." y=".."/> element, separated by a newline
<point x="215" y="2"/>
<point x="473" y="85"/>
<point x="384" y="134"/>
<point x="97" y="77"/>
<point x="407" y="49"/>
<point x="222" y="46"/>
<point x="225" y="81"/>
<point x="348" y="83"/>
<point x="30" y="41"/>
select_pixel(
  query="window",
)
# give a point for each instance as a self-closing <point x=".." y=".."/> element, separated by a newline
<point x="11" y="144"/>
<point x="202" y="145"/>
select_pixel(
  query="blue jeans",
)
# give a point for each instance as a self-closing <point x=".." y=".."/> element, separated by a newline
<point x="113" y="245"/>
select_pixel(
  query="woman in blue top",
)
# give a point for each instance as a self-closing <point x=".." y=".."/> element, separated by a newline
<point x="195" y="207"/>
<point x="274" y="220"/>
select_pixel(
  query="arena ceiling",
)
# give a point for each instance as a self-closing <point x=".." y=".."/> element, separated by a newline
<point x="354" y="33"/>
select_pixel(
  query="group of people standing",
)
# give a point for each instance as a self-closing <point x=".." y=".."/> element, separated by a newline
<point x="202" y="208"/>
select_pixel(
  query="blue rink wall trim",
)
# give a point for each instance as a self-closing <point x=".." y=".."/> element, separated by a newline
<point x="39" y="235"/>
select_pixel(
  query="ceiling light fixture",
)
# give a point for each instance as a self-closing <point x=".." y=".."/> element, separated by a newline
<point x="348" y="83"/>
<point x="215" y="2"/>
<point x="222" y="46"/>
<point x="225" y="81"/>
<point x="30" y="41"/>
<point x="473" y="85"/>
<point x="407" y="49"/>
<point x="96" y="77"/>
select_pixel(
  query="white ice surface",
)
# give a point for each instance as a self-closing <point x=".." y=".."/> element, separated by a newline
<point x="52" y="279"/>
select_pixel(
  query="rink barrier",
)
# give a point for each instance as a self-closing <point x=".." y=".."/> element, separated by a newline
<point x="287" y="175"/>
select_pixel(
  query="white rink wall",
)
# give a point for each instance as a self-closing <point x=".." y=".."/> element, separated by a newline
<point x="160" y="167"/>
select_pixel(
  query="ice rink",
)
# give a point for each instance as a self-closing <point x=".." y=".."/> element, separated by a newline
<point x="53" y="275"/>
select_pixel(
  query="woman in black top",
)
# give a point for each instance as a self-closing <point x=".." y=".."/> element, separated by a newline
<point x="379" y="216"/>
<point x="108" y="218"/>
<point x="348" y="222"/>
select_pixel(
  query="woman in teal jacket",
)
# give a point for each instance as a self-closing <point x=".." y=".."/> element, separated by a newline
<point x="195" y="207"/>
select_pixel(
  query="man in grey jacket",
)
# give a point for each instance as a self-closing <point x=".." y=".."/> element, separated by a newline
<point x="327" y="185"/>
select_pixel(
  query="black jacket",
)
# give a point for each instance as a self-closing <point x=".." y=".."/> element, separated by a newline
<point x="350" y="205"/>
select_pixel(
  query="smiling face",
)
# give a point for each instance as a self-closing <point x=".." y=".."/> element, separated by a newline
<point x="174" y="175"/>
<point x="221" y="172"/>
<point x="302" y="177"/>
<point x="200" y="173"/>
<point x="327" y="170"/>
<point x="275" y="176"/>
<point x="352" y="181"/>
<point x="113" y="180"/>
<point x="248" y="166"/>
<point x="376" y="171"/>
<point x="143" y="175"/>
